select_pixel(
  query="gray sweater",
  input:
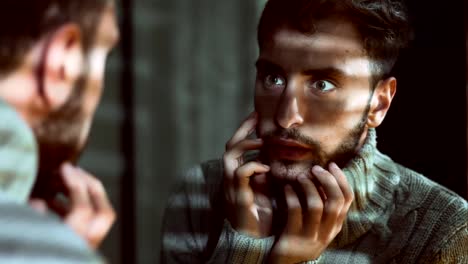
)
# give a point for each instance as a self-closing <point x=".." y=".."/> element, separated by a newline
<point x="25" y="235"/>
<point x="398" y="216"/>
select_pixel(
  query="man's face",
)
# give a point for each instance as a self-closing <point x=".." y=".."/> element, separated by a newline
<point x="63" y="134"/>
<point x="312" y="95"/>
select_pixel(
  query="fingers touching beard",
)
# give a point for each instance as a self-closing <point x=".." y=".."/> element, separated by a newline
<point x="290" y="170"/>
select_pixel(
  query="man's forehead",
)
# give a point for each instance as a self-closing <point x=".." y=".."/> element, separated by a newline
<point x="332" y="45"/>
<point x="108" y="31"/>
<point x="330" y="33"/>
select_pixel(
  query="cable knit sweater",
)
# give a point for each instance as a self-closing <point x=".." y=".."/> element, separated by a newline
<point x="398" y="216"/>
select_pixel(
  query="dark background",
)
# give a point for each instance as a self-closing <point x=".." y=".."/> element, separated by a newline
<point x="181" y="80"/>
<point x="426" y="126"/>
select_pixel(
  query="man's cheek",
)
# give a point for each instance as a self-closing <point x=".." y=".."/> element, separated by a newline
<point x="266" y="106"/>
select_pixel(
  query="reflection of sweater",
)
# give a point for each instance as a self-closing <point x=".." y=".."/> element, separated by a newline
<point x="18" y="158"/>
<point x="26" y="236"/>
<point x="398" y="216"/>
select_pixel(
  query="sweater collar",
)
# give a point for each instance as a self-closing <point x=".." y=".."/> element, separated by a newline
<point x="373" y="182"/>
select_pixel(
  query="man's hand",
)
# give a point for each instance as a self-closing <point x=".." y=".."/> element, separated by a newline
<point x="249" y="210"/>
<point x="86" y="209"/>
<point x="315" y="215"/>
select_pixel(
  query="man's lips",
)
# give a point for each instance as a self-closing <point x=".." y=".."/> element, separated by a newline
<point x="288" y="143"/>
<point x="287" y="149"/>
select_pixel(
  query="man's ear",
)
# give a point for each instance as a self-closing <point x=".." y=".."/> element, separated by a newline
<point x="381" y="101"/>
<point x="62" y="65"/>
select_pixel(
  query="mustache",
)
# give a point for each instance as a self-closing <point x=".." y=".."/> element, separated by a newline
<point x="292" y="134"/>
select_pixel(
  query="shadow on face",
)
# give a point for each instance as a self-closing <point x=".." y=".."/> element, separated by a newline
<point x="313" y="95"/>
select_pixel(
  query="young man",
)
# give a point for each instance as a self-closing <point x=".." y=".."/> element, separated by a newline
<point x="52" y="61"/>
<point x="313" y="187"/>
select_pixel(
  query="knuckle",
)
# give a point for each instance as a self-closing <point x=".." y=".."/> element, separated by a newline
<point x="108" y="216"/>
<point x="333" y="209"/>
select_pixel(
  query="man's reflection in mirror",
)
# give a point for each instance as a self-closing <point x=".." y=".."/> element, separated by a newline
<point x="52" y="61"/>
<point x="302" y="179"/>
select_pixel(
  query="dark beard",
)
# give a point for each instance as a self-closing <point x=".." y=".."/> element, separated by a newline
<point x="58" y="138"/>
<point x="341" y="156"/>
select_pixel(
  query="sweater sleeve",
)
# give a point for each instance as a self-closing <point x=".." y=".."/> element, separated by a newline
<point x="187" y="210"/>
<point x="239" y="248"/>
<point x="29" y="237"/>
<point x="195" y="229"/>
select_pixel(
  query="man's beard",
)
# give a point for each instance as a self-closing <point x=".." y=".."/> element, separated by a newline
<point x="290" y="170"/>
<point x="58" y="138"/>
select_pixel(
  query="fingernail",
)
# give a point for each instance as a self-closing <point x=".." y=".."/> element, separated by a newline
<point x="334" y="166"/>
<point x="266" y="167"/>
<point x="302" y="178"/>
<point x="67" y="168"/>
<point x="317" y="169"/>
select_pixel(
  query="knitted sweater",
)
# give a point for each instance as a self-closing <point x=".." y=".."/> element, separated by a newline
<point x="25" y="235"/>
<point x="398" y="216"/>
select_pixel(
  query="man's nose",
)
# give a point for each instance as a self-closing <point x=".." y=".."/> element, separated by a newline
<point x="288" y="113"/>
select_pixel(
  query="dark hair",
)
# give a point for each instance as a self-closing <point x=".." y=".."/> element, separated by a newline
<point x="24" y="22"/>
<point x="383" y="24"/>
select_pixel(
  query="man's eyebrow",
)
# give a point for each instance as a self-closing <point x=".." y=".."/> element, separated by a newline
<point x="265" y="64"/>
<point x="328" y="71"/>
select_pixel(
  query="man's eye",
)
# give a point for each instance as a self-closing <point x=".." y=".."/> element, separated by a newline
<point x="274" y="82"/>
<point x="323" y="86"/>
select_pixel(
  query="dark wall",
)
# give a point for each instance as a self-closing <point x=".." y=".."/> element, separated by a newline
<point x="177" y="87"/>
<point x="426" y="126"/>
